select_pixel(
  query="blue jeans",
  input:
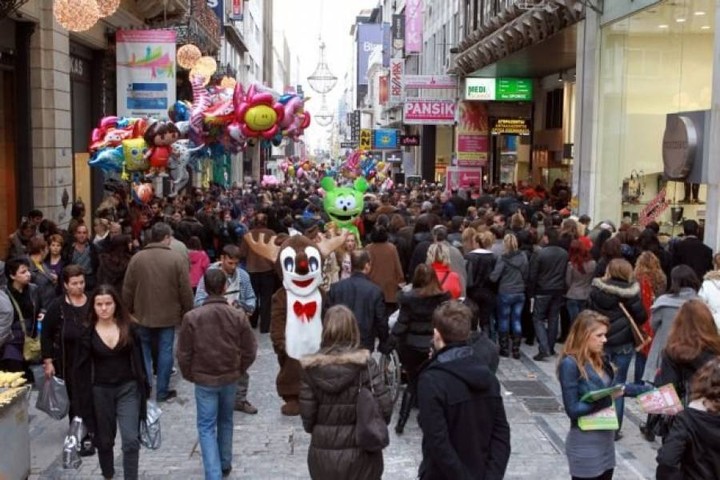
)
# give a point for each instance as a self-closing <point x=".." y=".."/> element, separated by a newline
<point x="165" y="339"/>
<point x="510" y="307"/>
<point x="621" y="359"/>
<point x="547" y="309"/>
<point x="215" y="427"/>
<point x="574" y="307"/>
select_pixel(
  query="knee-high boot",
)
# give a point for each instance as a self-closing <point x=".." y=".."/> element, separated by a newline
<point x="516" y="339"/>
<point x="504" y="340"/>
<point x="406" y="405"/>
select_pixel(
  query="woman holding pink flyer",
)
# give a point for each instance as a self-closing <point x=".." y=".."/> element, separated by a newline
<point x="586" y="377"/>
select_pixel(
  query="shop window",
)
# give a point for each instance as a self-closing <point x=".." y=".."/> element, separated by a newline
<point x="554" y="109"/>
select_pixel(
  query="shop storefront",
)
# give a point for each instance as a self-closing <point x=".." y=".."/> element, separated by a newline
<point x="652" y="64"/>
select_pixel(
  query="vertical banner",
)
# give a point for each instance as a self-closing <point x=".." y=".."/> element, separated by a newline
<point x="398" y="34"/>
<point x="413" y="26"/>
<point x="236" y="12"/>
<point x="145" y="72"/>
<point x="472" y="134"/>
<point x="383" y="90"/>
<point x="397" y="73"/>
<point x="369" y="38"/>
<point x="218" y="6"/>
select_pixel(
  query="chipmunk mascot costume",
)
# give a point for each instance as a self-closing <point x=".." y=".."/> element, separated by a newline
<point x="297" y="307"/>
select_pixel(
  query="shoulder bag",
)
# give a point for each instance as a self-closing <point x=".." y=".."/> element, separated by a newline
<point x="31" y="345"/>
<point x="642" y="339"/>
<point x="371" y="432"/>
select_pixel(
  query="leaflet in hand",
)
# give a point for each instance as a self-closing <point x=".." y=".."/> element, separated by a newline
<point x="596" y="395"/>
<point x="605" y="419"/>
<point x="663" y="400"/>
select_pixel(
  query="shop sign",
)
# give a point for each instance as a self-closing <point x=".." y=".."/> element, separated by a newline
<point x="479" y="88"/>
<point x="145" y="72"/>
<point x="410" y="140"/>
<point x="236" y="13"/>
<point x="365" y="139"/>
<point x="511" y="126"/>
<point x="463" y="177"/>
<point x="429" y="112"/>
<point x="79" y="69"/>
<point x="501" y="89"/>
<point x="348" y="145"/>
<point x="394" y="156"/>
<point x="385" y="138"/>
<point x="355" y="125"/>
<point x="431" y="82"/>
<point x="680" y="141"/>
<point x="397" y="72"/>
<point x="218" y="6"/>
<point x="513" y="89"/>
<point x="398" y="33"/>
<point x="413" y="26"/>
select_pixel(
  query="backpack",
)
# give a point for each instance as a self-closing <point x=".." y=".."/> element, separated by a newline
<point x="7" y="315"/>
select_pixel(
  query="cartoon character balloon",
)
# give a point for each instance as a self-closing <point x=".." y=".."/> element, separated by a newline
<point x="259" y="115"/>
<point x="344" y="204"/>
<point x="159" y="137"/>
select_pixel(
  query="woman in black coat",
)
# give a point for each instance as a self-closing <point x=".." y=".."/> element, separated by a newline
<point x="607" y="294"/>
<point x="480" y="263"/>
<point x="413" y="331"/>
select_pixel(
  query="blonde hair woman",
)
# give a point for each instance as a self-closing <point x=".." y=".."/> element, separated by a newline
<point x="438" y="257"/>
<point x="583" y="368"/>
<point x="479" y="264"/>
<point x="328" y="395"/>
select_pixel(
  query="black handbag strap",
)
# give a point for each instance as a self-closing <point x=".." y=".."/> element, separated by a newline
<point x="369" y="377"/>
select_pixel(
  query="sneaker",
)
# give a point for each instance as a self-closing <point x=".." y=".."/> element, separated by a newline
<point x="173" y="372"/>
<point x="246" y="407"/>
<point x="170" y="395"/>
<point x="540" y="357"/>
<point x="226" y="471"/>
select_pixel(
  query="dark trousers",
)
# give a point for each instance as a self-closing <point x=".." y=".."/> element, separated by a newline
<point x="264" y="285"/>
<point x="117" y="405"/>
<point x="546" y="315"/>
<point x="606" y="475"/>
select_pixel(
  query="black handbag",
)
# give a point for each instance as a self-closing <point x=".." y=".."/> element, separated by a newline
<point x="371" y="432"/>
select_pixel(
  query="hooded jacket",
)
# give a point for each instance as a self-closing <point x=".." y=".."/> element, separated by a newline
<point x="328" y="397"/>
<point x="511" y="272"/>
<point x="414" y="324"/>
<point x="605" y="298"/>
<point x="689" y="452"/>
<point x="710" y="293"/>
<point x="465" y="431"/>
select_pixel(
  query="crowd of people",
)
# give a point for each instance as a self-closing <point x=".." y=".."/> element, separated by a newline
<point x="451" y="280"/>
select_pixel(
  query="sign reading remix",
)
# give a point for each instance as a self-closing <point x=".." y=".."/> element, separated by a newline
<point x="512" y="89"/>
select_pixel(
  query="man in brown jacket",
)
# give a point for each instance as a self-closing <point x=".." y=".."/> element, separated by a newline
<point x="157" y="292"/>
<point x="216" y="346"/>
<point x="263" y="278"/>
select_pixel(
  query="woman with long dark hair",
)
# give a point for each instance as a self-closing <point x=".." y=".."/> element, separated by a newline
<point x="111" y="380"/>
<point x="328" y="397"/>
<point x="413" y="330"/>
<point x="583" y="368"/>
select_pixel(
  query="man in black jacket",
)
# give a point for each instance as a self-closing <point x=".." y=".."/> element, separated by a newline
<point x="365" y="299"/>
<point x="547" y="288"/>
<point x="465" y="431"/>
<point x="691" y="251"/>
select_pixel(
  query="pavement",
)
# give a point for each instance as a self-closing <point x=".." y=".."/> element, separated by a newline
<point x="269" y="446"/>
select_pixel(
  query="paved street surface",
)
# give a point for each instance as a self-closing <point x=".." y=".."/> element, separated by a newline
<point x="268" y="446"/>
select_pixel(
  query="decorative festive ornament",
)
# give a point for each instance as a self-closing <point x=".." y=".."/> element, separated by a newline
<point x="188" y="56"/>
<point x="76" y="15"/>
<point x="108" y="7"/>
<point x="200" y="75"/>
<point x="206" y="65"/>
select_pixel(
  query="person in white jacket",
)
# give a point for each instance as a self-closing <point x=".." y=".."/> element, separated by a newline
<point x="710" y="290"/>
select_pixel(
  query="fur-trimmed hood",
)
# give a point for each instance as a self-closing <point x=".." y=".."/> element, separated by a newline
<point x="713" y="275"/>
<point x="617" y="288"/>
<point x="334" y="372"/>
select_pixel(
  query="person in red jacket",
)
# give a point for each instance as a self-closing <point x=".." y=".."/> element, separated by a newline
<point x="438" y="257"/>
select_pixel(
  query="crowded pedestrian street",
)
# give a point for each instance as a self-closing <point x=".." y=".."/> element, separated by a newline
<point x="270" y="446"/>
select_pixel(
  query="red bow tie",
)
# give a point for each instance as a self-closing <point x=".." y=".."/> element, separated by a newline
<point x="305" y="310"/>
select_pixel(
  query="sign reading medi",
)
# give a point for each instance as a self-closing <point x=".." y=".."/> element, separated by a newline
<point x="429" y="112"/>
<point x="517" y="89"/>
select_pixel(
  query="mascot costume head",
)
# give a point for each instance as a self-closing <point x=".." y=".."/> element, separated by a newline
<point x="344" y="204"/>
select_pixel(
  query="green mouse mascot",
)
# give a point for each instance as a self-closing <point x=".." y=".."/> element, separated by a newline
<point x="344" y="204"/>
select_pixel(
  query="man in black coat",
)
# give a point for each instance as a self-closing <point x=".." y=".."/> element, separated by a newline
<point x="465" y="430"/>
<point x="365" y="299"/>
<point x="691" y="251"/>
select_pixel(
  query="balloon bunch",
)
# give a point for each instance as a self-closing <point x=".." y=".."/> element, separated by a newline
<point x="298" y="169"/>
<point x="358" y="164"/>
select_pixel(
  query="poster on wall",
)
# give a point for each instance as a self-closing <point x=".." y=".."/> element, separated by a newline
<point x="472" y="134"/>
<point x="459" y="177"/>
<point x="145" y="72"/>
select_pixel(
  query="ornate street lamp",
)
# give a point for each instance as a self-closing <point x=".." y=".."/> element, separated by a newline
<point x="322" y="80"/>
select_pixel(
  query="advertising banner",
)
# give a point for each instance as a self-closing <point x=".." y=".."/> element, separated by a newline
<point x="145" y="72"/>
<point x="371" y="36"/>
<point x="458" y="177"/>
<point x="501" y="89"/>
<point x="413" y="26"/>
<point x="472" y="134"/>
<point x="429" y="112"/>
<point x="385" y="138"/>
<point x="397" y="72"/>
<point x="398" y="33"/>
<point x="383" y="89"/>
<point x="431" y="82"/>
<point x="238" y="7"/>
<point x="218" y="6"/>
<point x="511" y="126"/>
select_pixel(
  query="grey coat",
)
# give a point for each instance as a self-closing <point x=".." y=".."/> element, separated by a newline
<point x="663" y="311"/>
<point x="511" y="272"/>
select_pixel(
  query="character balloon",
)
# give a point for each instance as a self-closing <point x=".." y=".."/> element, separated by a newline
<point x="344" y="204"/>
<point x="258" y="116"/>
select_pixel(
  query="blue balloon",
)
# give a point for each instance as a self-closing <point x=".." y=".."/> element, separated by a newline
<point x="108" y="159"/>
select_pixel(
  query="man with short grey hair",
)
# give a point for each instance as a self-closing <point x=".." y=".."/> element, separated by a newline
<point x="157" y="292"/>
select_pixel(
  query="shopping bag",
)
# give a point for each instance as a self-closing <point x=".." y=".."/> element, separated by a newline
<point x="150" y="436"/>
<point x="53" y="398"/>
<point x="72" y="444"/>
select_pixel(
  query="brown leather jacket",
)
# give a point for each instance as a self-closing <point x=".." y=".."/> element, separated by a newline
<point x="256" y="263"/>
<point x="216" y="344"/>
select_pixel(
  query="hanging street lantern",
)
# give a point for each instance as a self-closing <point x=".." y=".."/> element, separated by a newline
<point x="76" y="15"/>
<point x="188" y="56"/>
<point x="108" y="7"/>
<point x="322" y="80"/>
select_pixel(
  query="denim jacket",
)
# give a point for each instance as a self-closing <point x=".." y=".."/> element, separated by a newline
<point x="574" y="386"/>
